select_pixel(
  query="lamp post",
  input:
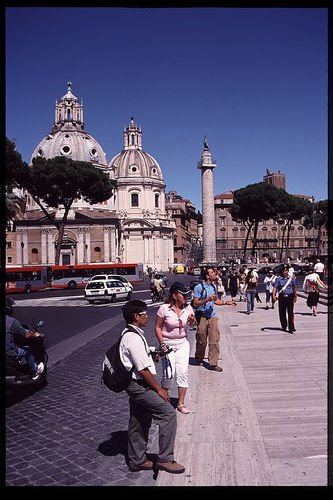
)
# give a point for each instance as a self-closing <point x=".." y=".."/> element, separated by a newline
<point x="22" y="253"/>
<point x="85" y="253"/>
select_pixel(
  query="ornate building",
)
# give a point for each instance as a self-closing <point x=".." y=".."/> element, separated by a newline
<point x="188" y="235"/>
<point x="146" y="231"/>
<point x="131" y="226"/>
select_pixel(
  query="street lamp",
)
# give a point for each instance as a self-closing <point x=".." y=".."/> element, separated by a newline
<point x="22" y="254"/>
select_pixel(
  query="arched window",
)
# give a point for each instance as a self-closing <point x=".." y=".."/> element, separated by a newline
<point x="157" y="198"/>
<point x="34" y="256"/>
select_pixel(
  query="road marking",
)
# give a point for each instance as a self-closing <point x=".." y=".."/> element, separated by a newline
<point x="73" y="301"/>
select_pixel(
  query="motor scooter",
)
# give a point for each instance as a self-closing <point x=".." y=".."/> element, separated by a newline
<point x="18" y="374"/>
<point x="157" y="296"/>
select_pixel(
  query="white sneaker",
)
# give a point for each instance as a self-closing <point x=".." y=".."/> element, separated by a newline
<point x="40" y="369"/>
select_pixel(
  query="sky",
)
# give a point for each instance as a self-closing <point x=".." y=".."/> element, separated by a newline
<point x="254" y="81"/>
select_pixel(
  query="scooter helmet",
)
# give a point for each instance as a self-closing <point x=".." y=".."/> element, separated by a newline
<point x="9" y="306"/>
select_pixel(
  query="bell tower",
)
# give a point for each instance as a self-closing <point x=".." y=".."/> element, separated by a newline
<point x="68" y="112"/>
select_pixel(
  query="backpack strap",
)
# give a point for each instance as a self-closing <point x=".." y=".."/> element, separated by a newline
<point x="129" y="328"/>
<point x="204" y="290"/>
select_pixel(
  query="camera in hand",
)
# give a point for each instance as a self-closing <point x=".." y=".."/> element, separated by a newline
<point x="159" y="352"/>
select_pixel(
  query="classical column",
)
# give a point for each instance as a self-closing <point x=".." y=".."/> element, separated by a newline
<point x="107" y="244"/>
<point x="83" y="251"/>
<point x="206" y="165"/>
<point x="46" y="246"/>
<point x="22" y="247"/>
<point x="112" y="233"/>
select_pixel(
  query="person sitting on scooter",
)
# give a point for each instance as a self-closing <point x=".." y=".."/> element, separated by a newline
<point x="158" y="286"/>
<point x="16" y="331"/>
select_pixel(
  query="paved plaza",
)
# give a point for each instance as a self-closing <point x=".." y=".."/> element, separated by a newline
<point x="261" y="422"/>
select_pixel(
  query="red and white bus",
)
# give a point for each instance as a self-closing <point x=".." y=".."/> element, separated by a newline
<point x="77" y="276"/>
<point x="26" y="279"/>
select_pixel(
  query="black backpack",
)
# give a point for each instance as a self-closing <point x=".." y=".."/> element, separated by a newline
<point x="114" y="374"/>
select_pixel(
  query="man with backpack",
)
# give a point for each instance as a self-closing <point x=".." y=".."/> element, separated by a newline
<point x="205" y="297"/>
<point x="147" y="399"/>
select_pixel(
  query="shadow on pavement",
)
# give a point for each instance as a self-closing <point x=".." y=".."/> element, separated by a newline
<point x="16" y="394"/>
<point x="278" y="328"/>
<point x="116" y="445"/>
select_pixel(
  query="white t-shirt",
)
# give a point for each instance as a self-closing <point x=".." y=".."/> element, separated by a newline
<point x="134" y="351"/>
<point x="309" y="283"/>
<point x="319" y="267"/>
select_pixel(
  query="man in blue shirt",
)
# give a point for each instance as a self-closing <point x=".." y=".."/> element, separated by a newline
<point x="204" y="299"/>
<point x="285" y="290"/>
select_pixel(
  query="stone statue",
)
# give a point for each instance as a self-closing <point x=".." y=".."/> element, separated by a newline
<point x="206" y="147"/>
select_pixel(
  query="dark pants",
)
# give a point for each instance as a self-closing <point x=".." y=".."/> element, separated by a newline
<point x="286" y="307"/>
<point x="145" y="405"/>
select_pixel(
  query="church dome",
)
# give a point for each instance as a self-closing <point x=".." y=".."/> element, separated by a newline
<point x="133" y="162"/>
<point x="68" y="137"/>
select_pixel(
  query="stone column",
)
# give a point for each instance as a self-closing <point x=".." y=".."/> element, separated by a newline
<point x="106" y="244"/>
<point x="206" y="165"/>
<point x="22" y="247"/>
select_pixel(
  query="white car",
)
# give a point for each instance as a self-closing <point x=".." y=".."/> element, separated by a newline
<point x="117" y="277"/>
<point x="110" y="290"/>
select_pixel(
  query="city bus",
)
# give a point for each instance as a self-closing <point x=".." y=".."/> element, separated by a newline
<point x="26" y="279"/>
<point x="77" y="276"/>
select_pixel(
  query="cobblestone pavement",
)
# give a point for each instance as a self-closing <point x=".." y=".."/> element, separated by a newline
<point x="73" y="432"/>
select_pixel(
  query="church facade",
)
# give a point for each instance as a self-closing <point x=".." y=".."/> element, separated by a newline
<point x="132" y="226"/>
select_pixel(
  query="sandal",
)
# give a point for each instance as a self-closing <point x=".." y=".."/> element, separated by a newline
<point x="183" y="409"/>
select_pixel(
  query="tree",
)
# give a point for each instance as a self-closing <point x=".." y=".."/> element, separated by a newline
<point x="253" y="204"/>
<point x="57" y="182"/>
<point x="15" y="205"/>
<point x="289" y="209"/>
<point x="317" y="218"/>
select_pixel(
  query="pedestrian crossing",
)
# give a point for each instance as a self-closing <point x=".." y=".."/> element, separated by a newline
<point x="73" y="301"/>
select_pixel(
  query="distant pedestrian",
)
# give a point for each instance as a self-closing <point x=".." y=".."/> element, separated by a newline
<point x="311" y="285"/>
<point x="269" y="282"/>
<point x="319" y="268"/>
<point x="251" y="281"/>
<point x="219" y="285"/>
<point x="284" y="289"/>
<point x="233" y="284"/>
<point x="242" y="283"/>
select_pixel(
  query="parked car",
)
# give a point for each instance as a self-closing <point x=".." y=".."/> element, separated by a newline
<point x="110" y="290"/>
<point x="117" y="277"/>
<point x="264" y="269"/>
<point x="297" y="269"/>
<point x="179" y="269"/>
